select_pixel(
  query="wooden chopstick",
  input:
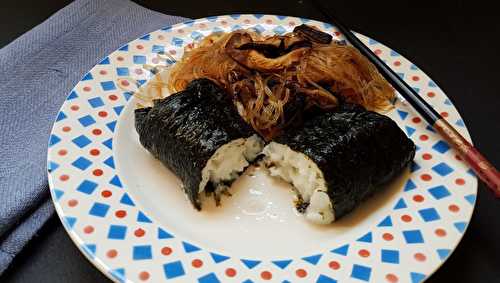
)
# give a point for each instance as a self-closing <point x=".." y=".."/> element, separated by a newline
<point x="470" y="155"/>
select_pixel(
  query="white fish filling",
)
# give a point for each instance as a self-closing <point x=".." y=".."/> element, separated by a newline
<point x="299" y="170"/>
<point x="227" y="163"/>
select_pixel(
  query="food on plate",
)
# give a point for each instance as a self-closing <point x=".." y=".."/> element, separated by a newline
<point x="337" y="159"/>
<point x="198" y="134"/>
<point x="273" y="79"/>
<point x="300" y="103"/>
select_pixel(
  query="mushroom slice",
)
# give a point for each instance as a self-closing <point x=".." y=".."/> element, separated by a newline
<point x="255" y="60"/>
<point x="293" y="41"/>
<point x="273" y="40"/>
<point x="313" y="34"/>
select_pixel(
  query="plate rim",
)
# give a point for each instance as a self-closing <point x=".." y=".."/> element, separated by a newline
<point x="101" y="266"/>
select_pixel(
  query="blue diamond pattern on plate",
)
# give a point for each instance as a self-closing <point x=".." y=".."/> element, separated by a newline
<point x="442" y="169"/>
<point x="81" y="163"/>
<point x="441" y="146"/>
<point x="361" y="272"/>
<point x="429" y="214"/>
<point x="390" y="256"/>
<point x="122" y="71"/>
<point x="87" y="187"/>
<point x="279" y="30"/>
<point x="158" y="49"/>
<point x="86" y="120"/>
<point x="258" y="28"/>
<point x="173" y="269"/>
<point x="196" y="35"/>
<point x="142" y="252"/>
<point x="96" y="102"/>
<point x="139" y="59"/>
<point x="81" y="141"/>
<point x="413" y="236"/>
<point x="236" y="27"/>
<point x="439" y="192"/>
<point x="99" y="209"/>
<point x="108" y="85"/>
<point x="177" y="41"/>
<point x="209" y="278"/>
<point x="117" y="232"/>
<point x="325" y="279"/>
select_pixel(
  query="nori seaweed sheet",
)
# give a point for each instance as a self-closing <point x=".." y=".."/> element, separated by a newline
<point x="185" y="129"/>
<point x="357" y="151"/>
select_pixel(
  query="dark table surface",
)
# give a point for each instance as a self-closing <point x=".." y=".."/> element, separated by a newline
<point x="454" y="42"/>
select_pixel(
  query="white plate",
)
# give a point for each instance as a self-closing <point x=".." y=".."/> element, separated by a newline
<point x="128" y="215"/>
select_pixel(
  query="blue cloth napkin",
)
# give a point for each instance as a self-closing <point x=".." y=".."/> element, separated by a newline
<point x="37" y="71"/>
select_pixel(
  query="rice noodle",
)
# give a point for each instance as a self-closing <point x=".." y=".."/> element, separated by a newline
<point x="326" y="69"/>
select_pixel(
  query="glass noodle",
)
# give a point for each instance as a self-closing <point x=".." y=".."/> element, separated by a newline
<point x="325" y="74"/>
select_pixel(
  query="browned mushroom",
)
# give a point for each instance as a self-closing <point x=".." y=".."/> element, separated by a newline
<point x="242" y="49"/>
<point x="291" y="40"/>
<point x="313" y="34"/>
<point x="273" y="40"/>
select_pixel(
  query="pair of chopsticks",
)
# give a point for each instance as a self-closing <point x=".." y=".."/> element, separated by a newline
<point x="470" y="155"/>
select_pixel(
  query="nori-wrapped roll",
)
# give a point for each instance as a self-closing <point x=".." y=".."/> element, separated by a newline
<point x="198" y="134"/>
<point x="338" y="159"/>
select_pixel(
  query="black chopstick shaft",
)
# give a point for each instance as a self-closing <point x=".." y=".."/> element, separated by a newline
<point x="422" y="107"/>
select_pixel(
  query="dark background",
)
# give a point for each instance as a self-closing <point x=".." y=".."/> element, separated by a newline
<point x="454" y="42"/>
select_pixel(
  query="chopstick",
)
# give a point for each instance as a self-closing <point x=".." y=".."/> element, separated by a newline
<point x="470" y="155"/>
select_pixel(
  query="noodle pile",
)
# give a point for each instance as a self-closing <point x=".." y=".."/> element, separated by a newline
<point x="325" y="74"/>
<point x="208" y="60"/>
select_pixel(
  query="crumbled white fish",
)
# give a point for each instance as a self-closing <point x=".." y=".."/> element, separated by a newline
<point x="300" y="171"/>
<point x="227" y="163"/>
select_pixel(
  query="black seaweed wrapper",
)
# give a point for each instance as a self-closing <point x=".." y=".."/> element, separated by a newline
<point x="357" y="151"/>
<point x="185" y="129"/>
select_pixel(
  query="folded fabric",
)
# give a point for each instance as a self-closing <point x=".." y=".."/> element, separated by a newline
<point x="37" y="71"/>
